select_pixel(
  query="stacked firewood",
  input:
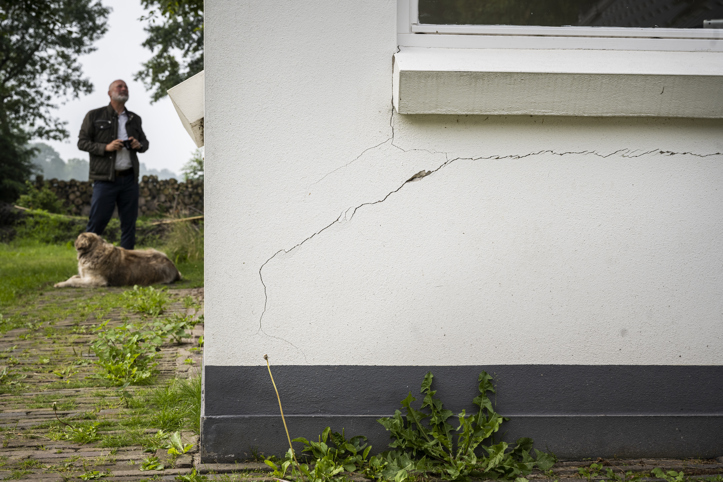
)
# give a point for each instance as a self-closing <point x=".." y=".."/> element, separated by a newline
<point x="157" y="197"/>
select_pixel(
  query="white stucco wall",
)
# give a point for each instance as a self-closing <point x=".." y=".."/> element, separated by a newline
<point x="534" y="240"/>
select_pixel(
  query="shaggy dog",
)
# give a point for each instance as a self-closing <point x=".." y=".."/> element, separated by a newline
<point x="102" y="264"/>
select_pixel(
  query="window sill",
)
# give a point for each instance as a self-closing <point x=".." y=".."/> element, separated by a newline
<point x="558" y="82"/>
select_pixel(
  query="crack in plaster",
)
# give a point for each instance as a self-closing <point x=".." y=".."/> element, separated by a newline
<point x="388" y="139"/>
<point x="345" y="216"/>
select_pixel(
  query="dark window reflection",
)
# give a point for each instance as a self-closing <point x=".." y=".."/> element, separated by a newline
<point x="556" y="13"/>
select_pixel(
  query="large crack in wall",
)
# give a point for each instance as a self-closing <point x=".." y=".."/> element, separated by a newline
<point x="349" y="213"/>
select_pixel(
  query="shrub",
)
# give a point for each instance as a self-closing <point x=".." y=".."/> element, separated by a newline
<point x="42" y="198"/>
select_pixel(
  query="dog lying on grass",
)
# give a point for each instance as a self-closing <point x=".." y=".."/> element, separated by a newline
<point x="102" y="264"/>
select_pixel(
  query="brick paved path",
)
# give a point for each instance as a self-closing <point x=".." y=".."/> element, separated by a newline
<point x="49" y="360"/>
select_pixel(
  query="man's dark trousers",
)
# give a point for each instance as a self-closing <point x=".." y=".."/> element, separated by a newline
<point x="106" y="195"/>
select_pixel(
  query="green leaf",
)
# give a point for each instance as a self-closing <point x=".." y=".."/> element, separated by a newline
<point x="427" y="382"/>
<point x="366" y="452"/>
<point x="658" y="472"/>
<point x="496" y="455"/>
<point x="544" y="460"/>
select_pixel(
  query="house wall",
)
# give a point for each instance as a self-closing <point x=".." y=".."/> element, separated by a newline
<point x="579" y="260"/>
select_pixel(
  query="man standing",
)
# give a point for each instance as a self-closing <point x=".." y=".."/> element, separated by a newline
<point x="113" y="136"/>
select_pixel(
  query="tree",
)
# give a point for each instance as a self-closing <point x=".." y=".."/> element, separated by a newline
<point x="77" y="169"/>
<point x="175" y="36"/>
<point x="40" y="42"/>
<point x="193" y="169"/>
<point x="49" y="163"/>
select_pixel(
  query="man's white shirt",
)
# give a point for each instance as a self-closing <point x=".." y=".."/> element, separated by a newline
<point x="123" y="156"/>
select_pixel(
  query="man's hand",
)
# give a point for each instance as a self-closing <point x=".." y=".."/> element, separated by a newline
<point x="116" y="145"/>
<point x="134" y="143"/>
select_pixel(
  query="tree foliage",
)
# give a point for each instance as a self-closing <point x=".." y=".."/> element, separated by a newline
<point x="175" y="36"/>
<point x="40" y="43"/>
<point x="49" y="163"/>
<point x="193" y="169"/>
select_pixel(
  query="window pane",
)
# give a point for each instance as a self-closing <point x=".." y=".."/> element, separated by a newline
<point x="556" y="13"/>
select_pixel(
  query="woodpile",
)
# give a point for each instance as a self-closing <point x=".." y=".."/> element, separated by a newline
<point x="157" y="197"/>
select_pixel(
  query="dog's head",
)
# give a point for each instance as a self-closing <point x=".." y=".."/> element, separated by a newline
<point x="86" y="242"/>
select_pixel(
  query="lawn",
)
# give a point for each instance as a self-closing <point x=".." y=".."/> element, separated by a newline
<point x="27" y="266"/>
<point x="43" y="254"/>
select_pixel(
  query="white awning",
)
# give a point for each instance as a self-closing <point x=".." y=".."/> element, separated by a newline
<point x="188" y="99"/>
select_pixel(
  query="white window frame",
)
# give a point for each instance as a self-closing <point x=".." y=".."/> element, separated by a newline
<point x="564" y="71"/>
<point x="410" y="33"/>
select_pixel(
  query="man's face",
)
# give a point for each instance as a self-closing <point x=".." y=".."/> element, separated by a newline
<point x="118" y="91"/>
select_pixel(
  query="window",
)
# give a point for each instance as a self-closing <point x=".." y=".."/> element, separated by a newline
<point x="682" y="25"/>
<point x="659" y="58"/>
<point x="559" y="13"/>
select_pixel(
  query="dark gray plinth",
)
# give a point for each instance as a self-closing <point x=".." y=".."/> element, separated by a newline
<point x="575" y="411"/>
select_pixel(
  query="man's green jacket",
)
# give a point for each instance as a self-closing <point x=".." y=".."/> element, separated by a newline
<point x="100" y="127"/>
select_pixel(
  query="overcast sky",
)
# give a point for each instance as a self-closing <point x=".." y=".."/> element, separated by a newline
<point x="119" y="56"/>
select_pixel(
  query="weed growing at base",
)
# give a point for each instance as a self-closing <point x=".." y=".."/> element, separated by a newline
<point x="425" y="443"/>
<point x="435" y="449"/>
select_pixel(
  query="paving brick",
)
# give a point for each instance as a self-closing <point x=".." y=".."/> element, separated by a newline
<point x="24" y="438"/>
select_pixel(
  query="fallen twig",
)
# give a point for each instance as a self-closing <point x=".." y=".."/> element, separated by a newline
<point x="169" y="221"/>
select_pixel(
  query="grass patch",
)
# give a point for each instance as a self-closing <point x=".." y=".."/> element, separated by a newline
<point x="42" y="252"/>
<point x="174" y="406"/>
<point x="18" y="474"/>
<point x="184" y="245"/>
<point x="28" y="265"/>
<point x="177" y="406"/>
<point x="192" y="273"/>
<point x="46" y="401"/>
<point x="184" y="241"/>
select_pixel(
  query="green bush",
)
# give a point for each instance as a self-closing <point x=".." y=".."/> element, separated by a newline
<point x="42" y="198"/>
<point x="48" y="228"/>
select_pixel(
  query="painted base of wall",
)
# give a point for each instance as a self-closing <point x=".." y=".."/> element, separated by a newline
<point x="574" y="411"/>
